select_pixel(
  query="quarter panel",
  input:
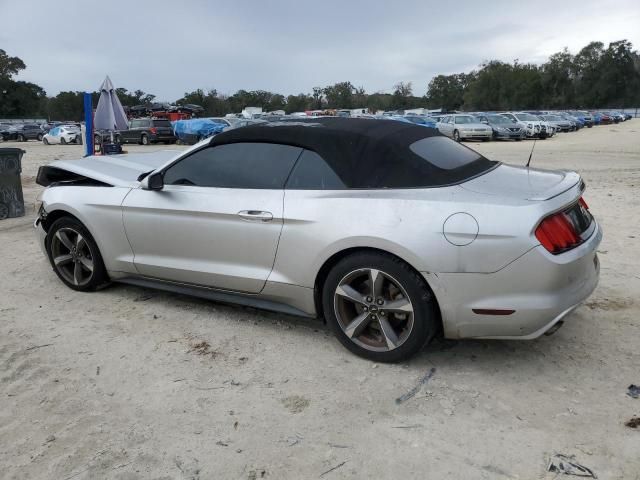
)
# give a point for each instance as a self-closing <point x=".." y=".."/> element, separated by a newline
<point x="407" y="223"/>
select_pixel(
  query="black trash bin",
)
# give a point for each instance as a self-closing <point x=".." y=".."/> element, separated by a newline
<point x="11" y="198"/>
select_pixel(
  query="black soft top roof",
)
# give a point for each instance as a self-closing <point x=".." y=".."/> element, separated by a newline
<point x="364" y="153"/>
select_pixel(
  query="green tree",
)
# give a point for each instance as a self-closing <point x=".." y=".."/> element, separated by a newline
<point x="447" y="91"/>
<point x="10" y="66"/>
<point x="339" y="95"/>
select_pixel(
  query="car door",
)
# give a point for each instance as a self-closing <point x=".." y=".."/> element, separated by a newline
<point x="217" y="220"/>
<point x="127" y="136"/>
<point x="447" y="127"/>
<point x="54" y="135"/>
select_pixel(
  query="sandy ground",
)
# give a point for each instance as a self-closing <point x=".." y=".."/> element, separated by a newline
<point x="114" y="384"/>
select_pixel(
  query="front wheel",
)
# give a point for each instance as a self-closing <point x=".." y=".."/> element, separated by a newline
<point x="40" y="136"/>
<point x="74" y="255"/>
<point x="456" y="136"/>
<point x="45" y="141"/>
<point x="63" y="141"/>
<point x="144" y="140"/>
<point x="22" y="138"/>
<point x="378" y="307"/>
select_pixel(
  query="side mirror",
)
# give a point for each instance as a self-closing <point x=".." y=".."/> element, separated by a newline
<point x="153" y="181"/>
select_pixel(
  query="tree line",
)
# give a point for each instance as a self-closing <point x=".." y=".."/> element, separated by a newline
<point x="595" y="77"/>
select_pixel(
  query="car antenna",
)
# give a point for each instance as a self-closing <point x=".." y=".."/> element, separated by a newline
<point x="531" y="154"/>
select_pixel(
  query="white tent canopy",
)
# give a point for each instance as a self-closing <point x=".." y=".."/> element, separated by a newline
<point x="109" y="113"/>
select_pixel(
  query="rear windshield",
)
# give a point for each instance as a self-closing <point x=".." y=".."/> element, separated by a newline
<point x="423" y="161"/>
<point x="443" y="153"/>
<point x="161" y="123"/>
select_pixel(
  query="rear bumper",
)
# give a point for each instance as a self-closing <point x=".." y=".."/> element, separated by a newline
<point x="162" y="138"/>
<point x="540" y="287"/>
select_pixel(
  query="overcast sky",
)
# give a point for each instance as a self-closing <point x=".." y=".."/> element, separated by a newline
<point x="290" y="46"/>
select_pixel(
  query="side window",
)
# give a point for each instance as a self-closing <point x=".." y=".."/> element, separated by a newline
<point x="313" y="173"/>
<point x="235" y="165"/>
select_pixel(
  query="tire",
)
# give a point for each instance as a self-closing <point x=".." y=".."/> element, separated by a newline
<point x="61" y="241"/>
<point x="410" y="327"/>
<point x="486" y="139"/>
<point x="97" y="139"/>
<point x="21" y="138"/>
<point x="518" y="139"/>
<point x="144" y="140"/>
<point x="62" y="141"/>
<point x="45" y="141"/>
<point x="456" y="135"/>
<point x="40" y="137"/>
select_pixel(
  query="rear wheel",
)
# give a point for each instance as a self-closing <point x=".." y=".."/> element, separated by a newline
<point x="22" y="138"/>
<point x="378" y="307"/>
<point x="40" y="136"/>
<point x="74" y="255"/>
<point x="63" y="141"/>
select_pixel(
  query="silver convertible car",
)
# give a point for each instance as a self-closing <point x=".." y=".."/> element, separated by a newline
<point x="390" y="231"/>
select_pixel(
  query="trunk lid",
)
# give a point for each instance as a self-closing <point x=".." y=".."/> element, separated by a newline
<point x="523" y="183"/>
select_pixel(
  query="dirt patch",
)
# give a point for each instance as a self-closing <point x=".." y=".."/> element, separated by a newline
<point x="609" y="304"/>
<point x="295" y="403"/>
<point x="202" y="347"/>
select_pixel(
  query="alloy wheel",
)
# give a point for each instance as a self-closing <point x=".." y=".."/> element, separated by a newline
<point x="373" y="310"/>
<point x="71" y="256"/>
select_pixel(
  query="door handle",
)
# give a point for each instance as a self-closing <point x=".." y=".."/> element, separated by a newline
<point x="255" y="215"/>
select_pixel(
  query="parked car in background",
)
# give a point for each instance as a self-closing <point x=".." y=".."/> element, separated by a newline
<point x="584" y="117"/>
<point x="29" y="131"/>
<point x="532" y="125"/>
<point x="483" y="249"/>
<point x="604" y="118"/>
<point x="503" y="128"/>
<point x="145" y="131"/>
<point x="465" y="127"/>
<point x="559" y="123"/>
<point x="62" y="135"/>
<point x="617" y="116"/>
<point x="575" y="123"/>
<point x="422" y="120"/>
<point x="8" y="132"/>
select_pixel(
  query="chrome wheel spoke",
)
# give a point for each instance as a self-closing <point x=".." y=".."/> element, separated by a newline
<point x="377" y="279"/>
<point x="401" y="305"/>
<point x="350" y="293"/>
<point x="77" y="273"/>
<point x="80" y="242"/>
<point x="389" y="334"/>
<point x="357" y="325"/>
<point x="64" y="239"/>
<point x="86" y="263"/>
<point x="62" y="260"/>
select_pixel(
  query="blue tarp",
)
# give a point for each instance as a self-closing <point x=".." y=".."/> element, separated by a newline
<point x="200" y="127"/>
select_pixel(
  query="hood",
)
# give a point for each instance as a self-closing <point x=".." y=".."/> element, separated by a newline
<point x="116" y="170"/>
<point x="523" y="183"/>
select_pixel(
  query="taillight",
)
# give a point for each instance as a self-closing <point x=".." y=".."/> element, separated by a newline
<point x="556" y="233"/>
<point x="153" y="130"/>
<point x="561" y="231"/>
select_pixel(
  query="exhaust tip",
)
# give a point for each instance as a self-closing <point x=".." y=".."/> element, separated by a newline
<point x="554" y="328"/>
